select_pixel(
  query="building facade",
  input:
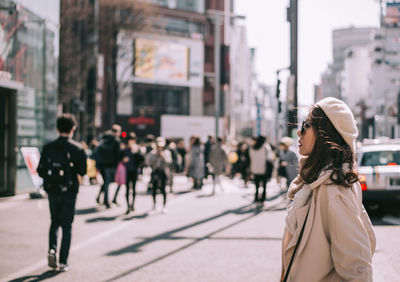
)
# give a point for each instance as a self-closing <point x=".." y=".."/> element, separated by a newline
<point x="342" y="39"/>
<point x="28" y="65"/>
<point x="384" y="80"/>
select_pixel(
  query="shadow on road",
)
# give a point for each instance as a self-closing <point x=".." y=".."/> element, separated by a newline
<point x="86" y="211"/>
<point x="101" y="218"/>
<point x="139" y="216"/>
<point x="251" y="209"/>
<point x="45" y="275"/>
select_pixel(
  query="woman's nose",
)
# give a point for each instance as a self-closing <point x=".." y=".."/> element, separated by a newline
<point x="299" y="133"/>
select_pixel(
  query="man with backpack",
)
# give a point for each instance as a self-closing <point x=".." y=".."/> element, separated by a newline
<point x="108" y="156"/>
<point x="61" y="163"/>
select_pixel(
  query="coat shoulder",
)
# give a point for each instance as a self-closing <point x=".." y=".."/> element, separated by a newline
<point x="339" y="197"/>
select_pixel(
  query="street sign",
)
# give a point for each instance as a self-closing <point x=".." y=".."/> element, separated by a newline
<point x="32" y="157"/>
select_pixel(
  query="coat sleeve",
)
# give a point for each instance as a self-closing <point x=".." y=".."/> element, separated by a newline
<point x="81" y="163"/>
<point x="350" y="244"/>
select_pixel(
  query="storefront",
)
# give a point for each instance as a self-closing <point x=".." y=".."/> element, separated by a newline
<point x="157" y="75"/>
<point x="8" y="135"/>
<point x="28" y="94"/>
<point x="149" y="103"/>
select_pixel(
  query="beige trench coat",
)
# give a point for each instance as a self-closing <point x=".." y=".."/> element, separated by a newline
<point x="338" y="240"/>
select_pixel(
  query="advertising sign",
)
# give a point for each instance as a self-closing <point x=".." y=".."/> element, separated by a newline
<point x="31" y="157"/>
<point x="159" y="59"/>
<point x="392" y="13"/>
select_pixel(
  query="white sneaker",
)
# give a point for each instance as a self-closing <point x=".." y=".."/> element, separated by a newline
<point x="52" y="259"/>
<point x="64" y="267"/>
<point x="164" y="210"/>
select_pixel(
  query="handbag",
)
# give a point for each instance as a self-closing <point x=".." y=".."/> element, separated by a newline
<point x="297" y="245"/>
<point x="120" y="174"/>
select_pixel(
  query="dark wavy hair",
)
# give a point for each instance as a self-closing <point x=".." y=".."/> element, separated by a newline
<point x="330" y="152"/>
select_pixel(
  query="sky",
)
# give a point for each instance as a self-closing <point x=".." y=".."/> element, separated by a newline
<point x="47" y="9"/>
<point x="268" y="32"/>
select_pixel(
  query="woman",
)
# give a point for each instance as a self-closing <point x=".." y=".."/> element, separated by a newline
<point x="133" y="160"/>
<point x="259" y="154"/>
<point x="337" y="241"/>
<point x="218" y="159"/>
<point x="196" y="162"/>
<point x="243" y="162"/>
<point x="288" y="160"/>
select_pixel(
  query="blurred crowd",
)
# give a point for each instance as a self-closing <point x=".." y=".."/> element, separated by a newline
<point x="125" y="160"/>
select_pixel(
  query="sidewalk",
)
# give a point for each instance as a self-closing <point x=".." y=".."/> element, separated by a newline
<point x="201" y="238"/>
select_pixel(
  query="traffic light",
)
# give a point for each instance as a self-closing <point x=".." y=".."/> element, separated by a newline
<point x="124" y="136"/>
<point x="278" y="90"/>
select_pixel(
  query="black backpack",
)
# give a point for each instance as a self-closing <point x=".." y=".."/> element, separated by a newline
<point x="106" y="154"/>
<point x="58" y="171"/>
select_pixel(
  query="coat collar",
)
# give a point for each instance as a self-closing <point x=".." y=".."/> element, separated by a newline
<point x="301" y="213"/>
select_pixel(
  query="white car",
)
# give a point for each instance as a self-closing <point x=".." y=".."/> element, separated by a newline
<point x="379" y="171"/>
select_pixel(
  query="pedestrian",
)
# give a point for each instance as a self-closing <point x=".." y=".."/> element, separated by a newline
<point x="328" y="235"/>
<point x="195" y="162"/>
<point x="218" y="159"/>
<point x="182" y="152"/>
<point x="133" y="160"/>
<point x="150" y="146"/>
<point x="120" y="172"/>
<point x="108" y="157"/>
<point x="93" y="172"/>
<point x="288" y="159"/>
<point x="61" y="163"/>
<point x="207" y="148"/>
<point x="260" y="153"/>
<point x="159" y="172"/>
<point x="243" y="162"/>
<point x="167" y="153"/>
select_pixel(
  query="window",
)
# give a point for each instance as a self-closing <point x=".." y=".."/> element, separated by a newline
<point x="380" y="158"/>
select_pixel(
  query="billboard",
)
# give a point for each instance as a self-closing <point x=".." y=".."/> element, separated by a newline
<point x="159" y="59"/>
<point x="392" y="13"/>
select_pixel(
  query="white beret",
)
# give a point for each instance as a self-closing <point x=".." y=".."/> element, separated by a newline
<point x="342" y="119"/>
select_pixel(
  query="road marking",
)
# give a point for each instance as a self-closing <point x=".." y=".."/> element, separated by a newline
<point x="42" y="263"/>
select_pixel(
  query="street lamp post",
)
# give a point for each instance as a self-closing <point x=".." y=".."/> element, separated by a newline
<point x="216" y="17"/>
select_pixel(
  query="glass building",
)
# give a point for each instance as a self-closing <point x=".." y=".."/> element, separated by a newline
<point x="28" y="62"/>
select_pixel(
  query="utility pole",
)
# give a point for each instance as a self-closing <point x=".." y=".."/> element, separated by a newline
<point x="217" y="60"/>
<point x="292" y="17"/>
<point x="217" y="18"/>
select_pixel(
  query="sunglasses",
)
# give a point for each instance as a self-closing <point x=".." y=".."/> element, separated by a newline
<point x="304" y="126"/>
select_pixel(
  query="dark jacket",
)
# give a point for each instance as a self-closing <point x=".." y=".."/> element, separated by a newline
<point x="135" y="160"/>
<point x="78" y="158"/>
<point x="108" y="154"/>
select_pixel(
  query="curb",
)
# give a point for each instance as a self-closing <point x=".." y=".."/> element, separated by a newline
<point x="19" y="197"/>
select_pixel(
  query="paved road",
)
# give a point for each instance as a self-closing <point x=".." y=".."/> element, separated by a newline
<point x="201" y="238"/>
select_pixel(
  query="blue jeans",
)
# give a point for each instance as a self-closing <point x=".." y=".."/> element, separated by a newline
<point x="62" y="211"/>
